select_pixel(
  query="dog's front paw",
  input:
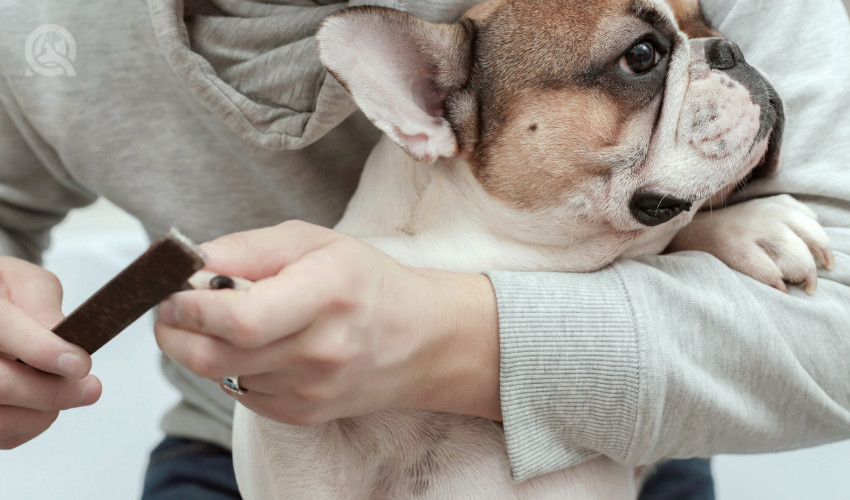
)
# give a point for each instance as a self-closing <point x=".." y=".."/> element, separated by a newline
<point x="773" y="240"/>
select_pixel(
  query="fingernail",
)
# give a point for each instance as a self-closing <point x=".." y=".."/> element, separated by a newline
<point x="168" y="313"/>
<point x="70" y="365"/>
<point x="779" y="284"/>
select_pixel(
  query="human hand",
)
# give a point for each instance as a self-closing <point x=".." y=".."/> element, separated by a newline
<point x="334" y="328"/>
<point x="57" y="376"/>
<point x="773" y="240"/>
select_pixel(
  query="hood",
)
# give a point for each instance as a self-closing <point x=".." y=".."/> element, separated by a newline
<point x="254" y="62"/>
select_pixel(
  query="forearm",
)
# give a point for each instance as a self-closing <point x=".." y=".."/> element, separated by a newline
<point x="677" y="355"/>
<point x="35" y="192"/>
<point x="671" y="356"/>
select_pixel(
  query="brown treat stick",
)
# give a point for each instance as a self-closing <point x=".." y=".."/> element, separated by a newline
<point x="162" y="270"/>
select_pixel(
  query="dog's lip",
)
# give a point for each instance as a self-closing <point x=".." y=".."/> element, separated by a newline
<point x="769" y="163"/>
<point x="651" y="208"/>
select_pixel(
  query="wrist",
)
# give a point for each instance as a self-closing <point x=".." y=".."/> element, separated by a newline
<point x="459" y="367"/>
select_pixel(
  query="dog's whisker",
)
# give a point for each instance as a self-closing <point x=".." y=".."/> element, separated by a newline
<point x="573" y="229"/>
<point x="660" y="202"/>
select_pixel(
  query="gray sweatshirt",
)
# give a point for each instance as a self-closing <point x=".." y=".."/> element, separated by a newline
<point x="215" y="116"/>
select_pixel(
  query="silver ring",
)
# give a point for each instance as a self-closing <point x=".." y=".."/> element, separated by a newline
<point x="232" y="385"/>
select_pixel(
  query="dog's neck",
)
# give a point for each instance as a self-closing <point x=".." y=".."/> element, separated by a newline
<point x="439" y="216"/>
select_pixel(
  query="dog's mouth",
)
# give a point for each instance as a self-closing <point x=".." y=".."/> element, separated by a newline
<point x="652" y="209"/>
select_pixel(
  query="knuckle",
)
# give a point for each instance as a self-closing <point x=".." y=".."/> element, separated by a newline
<point x="341" y="304"/>
<point x="247" y="328"/>
<point x="333" y="353"/>
<point x="49" y="280"/>
<point x="346" y="292"/>
<point x="313" y="395"/>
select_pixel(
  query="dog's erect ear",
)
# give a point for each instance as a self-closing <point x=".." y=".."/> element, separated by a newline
<point x="692" y="20"/>
<point x="399" y="70"/>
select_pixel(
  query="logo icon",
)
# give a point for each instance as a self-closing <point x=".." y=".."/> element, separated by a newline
<point x="50" y="51"/>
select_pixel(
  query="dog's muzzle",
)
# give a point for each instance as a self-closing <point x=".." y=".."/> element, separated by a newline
<point x="652" y="209"/>
<point x="726" y="56"/>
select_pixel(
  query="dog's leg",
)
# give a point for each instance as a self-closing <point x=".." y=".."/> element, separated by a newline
<point x="773" y="240"/>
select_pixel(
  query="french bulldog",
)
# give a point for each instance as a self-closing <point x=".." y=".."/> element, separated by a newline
<point x="534" y="135"/>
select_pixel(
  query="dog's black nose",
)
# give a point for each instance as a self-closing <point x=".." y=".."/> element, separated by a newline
<point x="652" y="209"/>
<point x="722" y="54"/>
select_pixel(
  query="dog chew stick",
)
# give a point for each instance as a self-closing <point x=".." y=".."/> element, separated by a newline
<point x="162" y="270"/>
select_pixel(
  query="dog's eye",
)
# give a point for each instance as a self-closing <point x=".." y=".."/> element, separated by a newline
<point x="639" y="59"/>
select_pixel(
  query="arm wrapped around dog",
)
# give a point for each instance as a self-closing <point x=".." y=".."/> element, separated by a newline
<point x="702" y="360"/>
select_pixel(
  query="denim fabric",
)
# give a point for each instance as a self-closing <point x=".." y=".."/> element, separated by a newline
<point x="680" y="480"/>
<point x="183" y="469"/>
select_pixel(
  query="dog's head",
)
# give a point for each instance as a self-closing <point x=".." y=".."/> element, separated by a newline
<point x="620" y="115"/>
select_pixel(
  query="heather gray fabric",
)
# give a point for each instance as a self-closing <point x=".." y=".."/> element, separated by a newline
<point x="255" y="62"/>
<point x="215" y="117"/>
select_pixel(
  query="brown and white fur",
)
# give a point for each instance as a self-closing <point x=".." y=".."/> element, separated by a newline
<point x="518" y="139"/>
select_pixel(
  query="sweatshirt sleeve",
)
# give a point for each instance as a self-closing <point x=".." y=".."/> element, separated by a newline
<point x="35" y="192"/>
<point x="676" y="355"/>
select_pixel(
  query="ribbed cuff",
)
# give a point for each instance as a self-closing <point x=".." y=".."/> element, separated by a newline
<point x="570" y="368"/>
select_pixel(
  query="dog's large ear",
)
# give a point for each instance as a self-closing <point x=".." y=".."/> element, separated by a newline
<point x="692" y="20"/>
<point x="399" y="70"/>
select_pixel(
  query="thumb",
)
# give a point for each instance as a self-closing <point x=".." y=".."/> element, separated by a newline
<point x="261" y="253"/>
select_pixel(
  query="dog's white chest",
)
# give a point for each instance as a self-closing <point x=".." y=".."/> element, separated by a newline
<point x="401" y="455"/>
<point x="404" y="211"/>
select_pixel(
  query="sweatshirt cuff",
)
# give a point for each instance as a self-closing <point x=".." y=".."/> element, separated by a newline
<point x="570" y="368"/>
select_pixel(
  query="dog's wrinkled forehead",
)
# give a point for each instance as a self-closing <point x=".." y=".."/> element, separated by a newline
<point x="554" y="41"/>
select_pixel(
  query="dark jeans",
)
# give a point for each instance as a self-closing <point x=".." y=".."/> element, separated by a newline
<point x="680" y="480"/>
<point x="181" y="469"/>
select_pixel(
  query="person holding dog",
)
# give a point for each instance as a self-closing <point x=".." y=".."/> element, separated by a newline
<point x="334" y="284"/>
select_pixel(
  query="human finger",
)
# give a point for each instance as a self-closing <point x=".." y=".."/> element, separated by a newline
<point x="268" y="311"/>
<point x="24" y="387"/>
<point x="261" y="253"/>
<point x="24" y="337"/>
<point x="213" y="358"/>
<point x="19" y="425"/>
